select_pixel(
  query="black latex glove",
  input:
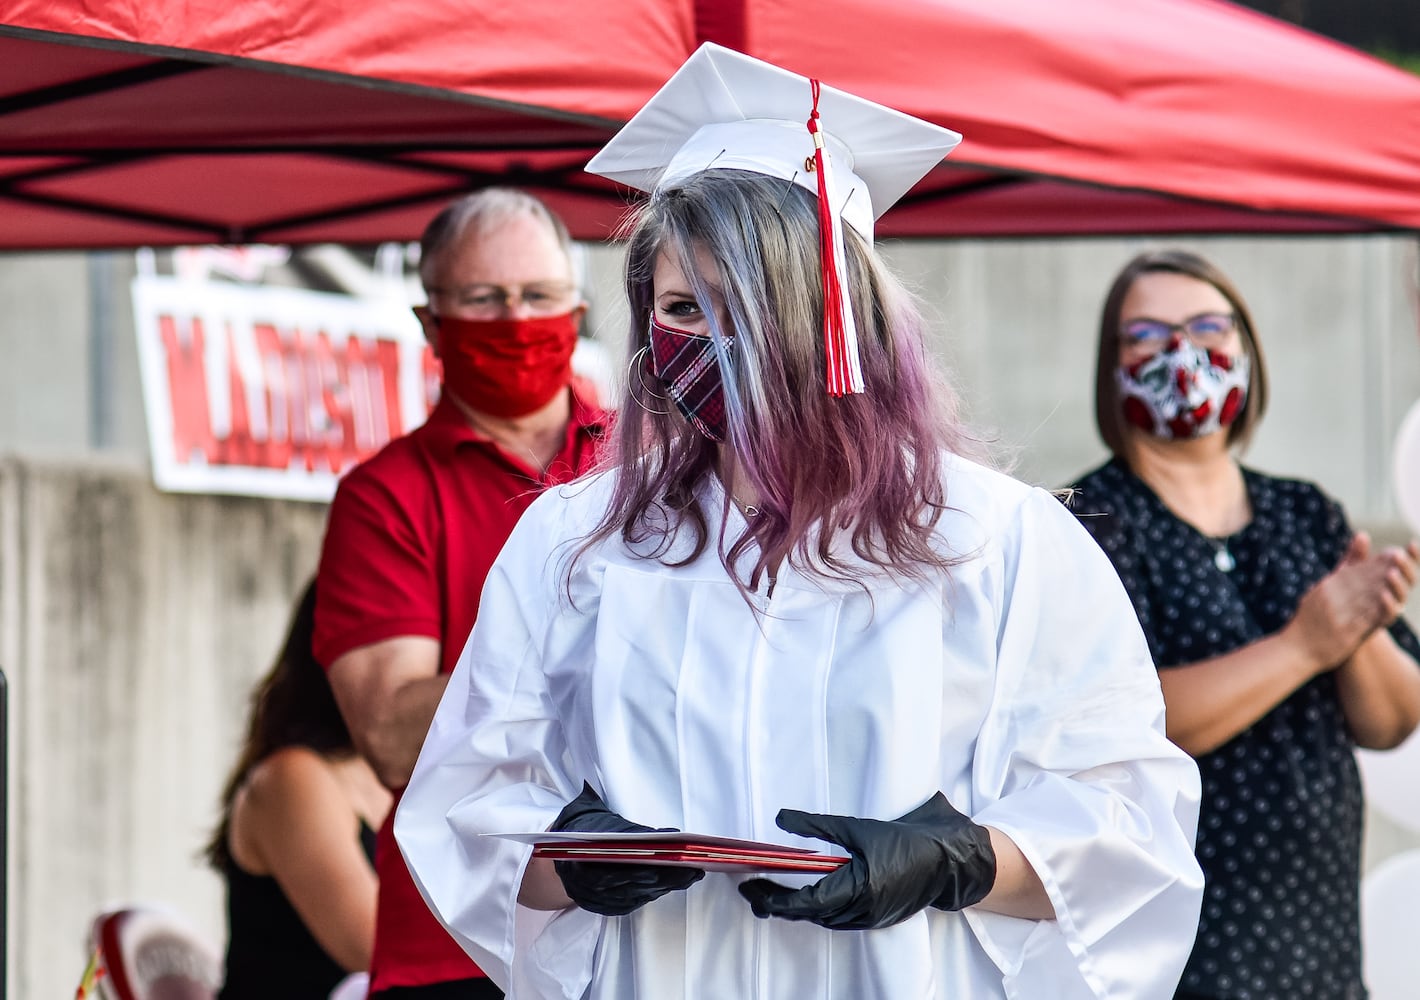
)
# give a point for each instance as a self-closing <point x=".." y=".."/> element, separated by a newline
<point x="933" y="856"/>
<point x="608" y="888"/>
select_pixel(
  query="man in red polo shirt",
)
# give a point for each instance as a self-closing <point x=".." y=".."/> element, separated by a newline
<point x="413" y="530"/>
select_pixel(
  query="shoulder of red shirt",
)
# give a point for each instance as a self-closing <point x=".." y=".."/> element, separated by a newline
<point x="446" y="429"/>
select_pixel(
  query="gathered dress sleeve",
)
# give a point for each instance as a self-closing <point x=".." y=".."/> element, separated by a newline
<point x="495" y="761"/>
<point x="1073" y="765"/>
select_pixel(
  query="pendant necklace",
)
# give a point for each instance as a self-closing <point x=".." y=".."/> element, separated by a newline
<point x="1222" y="558"/>
<point x="749" y="511"/>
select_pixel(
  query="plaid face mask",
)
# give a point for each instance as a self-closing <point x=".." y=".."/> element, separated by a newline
<point x="686" y="365"/>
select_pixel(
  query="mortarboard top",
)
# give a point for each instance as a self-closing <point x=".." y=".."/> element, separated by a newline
<point x="726" y="110"/>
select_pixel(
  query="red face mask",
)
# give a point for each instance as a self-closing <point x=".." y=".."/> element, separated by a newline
<point x="507" y="367"/>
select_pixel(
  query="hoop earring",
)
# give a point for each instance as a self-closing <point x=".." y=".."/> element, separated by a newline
<point x="640" y="373"/>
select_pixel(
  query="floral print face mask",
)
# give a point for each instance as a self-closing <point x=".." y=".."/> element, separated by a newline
<point x="1183" y="391"/>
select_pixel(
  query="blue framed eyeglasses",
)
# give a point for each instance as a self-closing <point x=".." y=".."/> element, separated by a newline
<point x="1210" y="329"/>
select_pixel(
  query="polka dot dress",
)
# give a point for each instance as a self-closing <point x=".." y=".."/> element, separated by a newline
<point x="1279" y="837"/>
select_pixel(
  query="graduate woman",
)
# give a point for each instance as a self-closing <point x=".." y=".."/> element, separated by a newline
<point x="794" y="610"/>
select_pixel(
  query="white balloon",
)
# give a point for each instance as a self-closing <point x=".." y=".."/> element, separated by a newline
<point x="1406" y="471"/>
<point x="1390" y="960"/>
<point x="1392" y="780"/>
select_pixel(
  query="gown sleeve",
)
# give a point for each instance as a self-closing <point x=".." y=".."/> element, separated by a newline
<point x="1118" y="535"/>
<point x="1072" y="764"/>
<point x="495" y="761"/>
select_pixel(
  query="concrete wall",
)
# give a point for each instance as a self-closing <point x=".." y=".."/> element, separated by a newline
<point x="132" y="626"/>
<point x="132" y="623"/>
<point x="69" y="381"/>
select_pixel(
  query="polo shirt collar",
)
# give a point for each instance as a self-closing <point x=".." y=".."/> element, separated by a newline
<point x="447" y="429"/>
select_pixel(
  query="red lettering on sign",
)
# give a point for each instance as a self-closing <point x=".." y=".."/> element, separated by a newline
<point x="237" y="448"/>
<point x="187" y="390"/>
<point x="278" y="449"/>
<point x="433" y="371"/>
<point x="387" y="363"/>
<point x="325" y="402"/>
<point x="375" y="412"/>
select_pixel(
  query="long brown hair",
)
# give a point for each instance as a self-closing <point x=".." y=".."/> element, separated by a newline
<point x="1109" y="415"/>
<point x="292" y="705"/>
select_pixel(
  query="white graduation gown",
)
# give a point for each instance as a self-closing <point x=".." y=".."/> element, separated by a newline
<point x="1020" y="686"/>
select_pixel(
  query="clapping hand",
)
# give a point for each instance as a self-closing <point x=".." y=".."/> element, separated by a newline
<point x="1366" y="591"/>
<point x="932" y="856"/>
<point x="613" y="889"/>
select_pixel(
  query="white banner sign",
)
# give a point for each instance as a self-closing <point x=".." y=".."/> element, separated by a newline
<point x="268" y="391"/>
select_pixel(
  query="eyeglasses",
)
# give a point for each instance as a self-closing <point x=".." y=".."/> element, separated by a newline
<point x="492" y="301"/>
<point x="1210" y="329"/>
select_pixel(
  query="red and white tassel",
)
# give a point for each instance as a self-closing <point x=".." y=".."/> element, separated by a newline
<point x="840" y="331"/>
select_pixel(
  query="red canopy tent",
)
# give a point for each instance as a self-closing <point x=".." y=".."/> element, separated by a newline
<point x="189" y="121"/>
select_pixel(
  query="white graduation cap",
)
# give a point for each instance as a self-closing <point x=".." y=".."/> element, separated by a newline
<point x="726" y="110"/>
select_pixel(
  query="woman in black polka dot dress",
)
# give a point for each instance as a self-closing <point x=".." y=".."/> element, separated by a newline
<point x="1274" y="627"/>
